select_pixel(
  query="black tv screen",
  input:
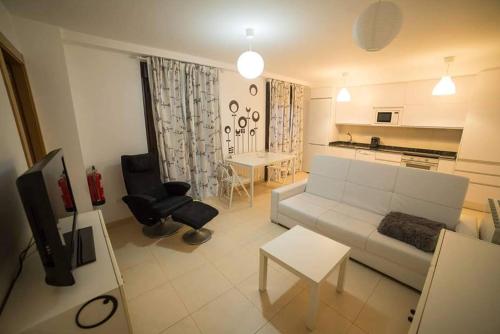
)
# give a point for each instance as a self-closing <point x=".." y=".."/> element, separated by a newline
<point x="47" y="197"/>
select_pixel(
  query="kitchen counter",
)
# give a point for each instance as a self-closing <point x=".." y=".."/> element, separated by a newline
<point x="399" y="149"/>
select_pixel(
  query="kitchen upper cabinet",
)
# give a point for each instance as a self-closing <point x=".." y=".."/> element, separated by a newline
<point x="359" y="110"/>
<point x="481" y="136"/>
<point x="422" y="109"/>
<point x="388" y="95"/>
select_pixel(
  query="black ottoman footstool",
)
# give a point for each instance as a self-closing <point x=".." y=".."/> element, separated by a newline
<point x="195" y="214"/>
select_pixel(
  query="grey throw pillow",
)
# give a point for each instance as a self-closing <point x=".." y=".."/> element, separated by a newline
<point x="416" y="231"/>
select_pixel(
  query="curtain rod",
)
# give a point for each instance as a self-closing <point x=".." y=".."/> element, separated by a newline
<point x="145" y="58"/>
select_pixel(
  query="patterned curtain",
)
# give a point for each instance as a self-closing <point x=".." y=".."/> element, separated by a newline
<point x="187" y="122"/>
<point x="286" y="119"/>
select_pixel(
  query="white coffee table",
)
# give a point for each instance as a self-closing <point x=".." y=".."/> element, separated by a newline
<point x="310" y="256"/>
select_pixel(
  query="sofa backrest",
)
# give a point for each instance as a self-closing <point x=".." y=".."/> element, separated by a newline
<point x="432" y="195"/>
<point x="327" y="177"/>
<point x="370" y="186"/>
<point x="384" y="188"/>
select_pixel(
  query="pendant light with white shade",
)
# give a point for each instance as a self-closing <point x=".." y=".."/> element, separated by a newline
<point x="250" y="64"/>
<point x="343" y="94"/>
<point x="445" y="86"/>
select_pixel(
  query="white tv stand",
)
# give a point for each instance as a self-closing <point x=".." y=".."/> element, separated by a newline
<point x="35" y="307"/>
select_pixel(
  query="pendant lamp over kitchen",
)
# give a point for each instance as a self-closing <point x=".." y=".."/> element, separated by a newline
<point x="250" y="64"/>
<point x="445" y="86"/>
<point x="377" y="26"/>
<point x="343" y="94"/>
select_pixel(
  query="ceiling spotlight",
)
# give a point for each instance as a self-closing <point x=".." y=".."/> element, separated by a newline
<point x="250" y="64"/>
<point x="445" y="86"/>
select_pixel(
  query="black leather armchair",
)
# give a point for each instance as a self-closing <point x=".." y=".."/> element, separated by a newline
<point x="150" y="200"/>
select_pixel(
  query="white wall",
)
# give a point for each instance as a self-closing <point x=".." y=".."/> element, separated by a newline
<point x="43" y="52"/>
<point x="107" y="95"/>
<point x="14" y="228"/>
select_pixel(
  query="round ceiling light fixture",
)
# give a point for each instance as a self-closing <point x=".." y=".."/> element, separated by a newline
<point x="377" y="26"/>
<point x="250" y="64"/>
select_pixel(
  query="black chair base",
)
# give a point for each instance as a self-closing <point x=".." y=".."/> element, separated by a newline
<point x="197" y="237"/>
<point x="162" y="229"/>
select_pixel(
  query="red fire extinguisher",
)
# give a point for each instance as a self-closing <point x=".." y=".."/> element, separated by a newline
<point x="66" y="195"/>
<point x="94" y="179"/>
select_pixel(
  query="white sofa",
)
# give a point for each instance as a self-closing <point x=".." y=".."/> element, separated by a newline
<point x="346" y="199"/>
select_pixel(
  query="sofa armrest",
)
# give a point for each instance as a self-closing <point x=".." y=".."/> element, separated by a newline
<point x="177" y="188"/>
<point x="283" y="193"/>
<point x="468" y="226"/>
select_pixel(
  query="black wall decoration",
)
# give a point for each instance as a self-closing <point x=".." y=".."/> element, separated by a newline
<point x="241" y="127"/>
<point x="253" y="89"/>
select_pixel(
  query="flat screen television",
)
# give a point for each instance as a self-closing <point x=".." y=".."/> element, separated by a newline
<point x="47" y="197"/>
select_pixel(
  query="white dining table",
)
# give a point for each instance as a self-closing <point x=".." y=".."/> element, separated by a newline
<point x="253" y="160"/>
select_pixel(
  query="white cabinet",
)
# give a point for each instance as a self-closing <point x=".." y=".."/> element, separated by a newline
<point x="310" y="150"/>
<point x="359" y="110"/>
<point x="319" y="122"/>
<point x="341" y="152"/>
<point x="365" y="155"/>
<point x="421" y="108"/>
<point x="481" y="136"/>
<point x="446" y="166"/>
<point x="425" y="110"/>
<point x="388" y="158"/>
<point x="388" y="95"/>
<point x="50" y="309"/>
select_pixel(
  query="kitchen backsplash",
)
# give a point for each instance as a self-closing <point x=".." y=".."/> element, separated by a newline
<point x="435" y="139"/>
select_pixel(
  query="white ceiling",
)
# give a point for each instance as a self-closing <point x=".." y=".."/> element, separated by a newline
<point x="310" y="40"/>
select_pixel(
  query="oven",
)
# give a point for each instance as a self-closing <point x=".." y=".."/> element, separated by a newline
<point x="420" y="162"/>
<point x="387" y="115"/>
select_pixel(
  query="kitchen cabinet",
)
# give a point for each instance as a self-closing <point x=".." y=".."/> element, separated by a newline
<point x="388" y="158"/>
<point x="422" y="109"/>
<point x="484" y="182"/>
<point x="446" y="166"/>
<point x="365" y="155"/>
<point x="310" y="150"/>
<point x="479" y="156"/>
<point x="341" y="152"/>
<point x="359" y="110"/>
<point x="319" y="122"/>
<point x="481" y="136"/>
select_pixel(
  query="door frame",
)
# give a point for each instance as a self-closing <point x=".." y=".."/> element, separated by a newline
<point x="15" y="77"/>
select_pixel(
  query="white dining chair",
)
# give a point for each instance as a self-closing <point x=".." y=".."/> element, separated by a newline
<point x="229" y="180"/>
<point x="278" y="172"/>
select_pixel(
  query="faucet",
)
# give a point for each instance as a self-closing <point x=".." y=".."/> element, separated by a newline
<point x="350" y="137"/>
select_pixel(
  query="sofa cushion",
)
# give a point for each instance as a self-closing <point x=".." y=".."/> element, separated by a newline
<point x="305" y="208"/>
<point x="359" y="214"/>
<point x="416" y="231"/>
<point x="344" y="229"/>
<point x="398" y="252"/>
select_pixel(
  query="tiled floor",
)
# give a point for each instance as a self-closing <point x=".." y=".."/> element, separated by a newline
<point x="172" y="287"/>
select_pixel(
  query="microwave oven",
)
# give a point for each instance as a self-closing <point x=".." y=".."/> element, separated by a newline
<point x="388" y="116"/>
